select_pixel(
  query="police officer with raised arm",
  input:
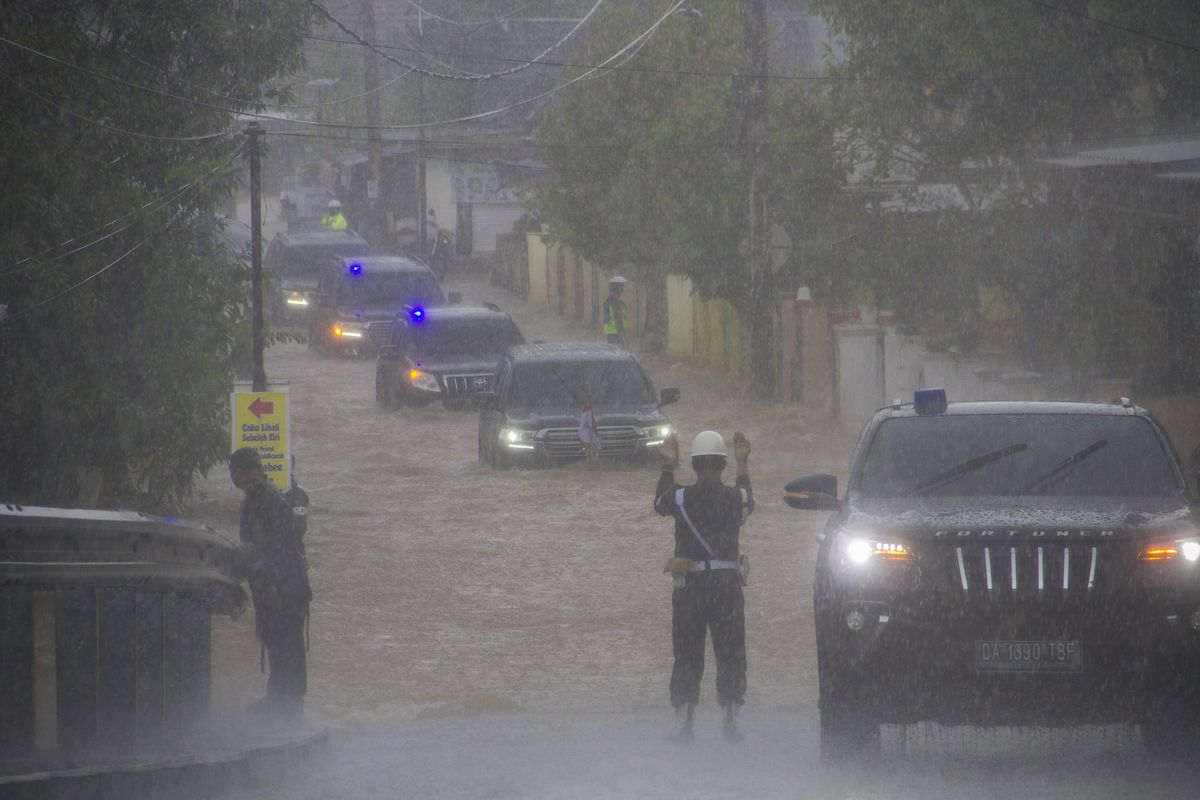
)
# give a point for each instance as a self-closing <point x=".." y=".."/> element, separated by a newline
<point x="708" y="582"/>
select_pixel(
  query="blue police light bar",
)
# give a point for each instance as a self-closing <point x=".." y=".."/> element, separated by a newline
<point x="356" y="269"/>
<point x="929" y="401"/>
<point x="417" y="313"/>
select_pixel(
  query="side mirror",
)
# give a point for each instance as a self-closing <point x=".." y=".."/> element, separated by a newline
<point x="813" y="493"/>
<point x="484" y="400"/>
<point x="454" y="298"/>
<point x="668" y="395"/>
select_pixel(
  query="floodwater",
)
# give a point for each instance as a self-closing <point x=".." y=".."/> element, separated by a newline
<point x="481" y="634"/>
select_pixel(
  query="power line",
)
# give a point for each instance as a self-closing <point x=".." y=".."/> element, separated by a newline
<point x="525" y="64"/>
<point x="469" y="22"/>
<point x="406" y="126"/>
<point x="118" y="260"/>
<point x="203" y="137"/>
<point x="162" y="200"/>
<point x="1115" y="26"/>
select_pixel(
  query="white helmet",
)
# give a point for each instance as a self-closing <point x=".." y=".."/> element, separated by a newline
<point x="709" y="443"/>
<point x="618" y="280"/>
<point x="334" y="205"/>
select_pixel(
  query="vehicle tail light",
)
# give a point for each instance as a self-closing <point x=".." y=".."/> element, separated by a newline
<point x="1159" y="552"/>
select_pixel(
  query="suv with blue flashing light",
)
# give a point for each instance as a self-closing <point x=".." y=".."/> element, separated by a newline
<point x="1006" y="564"/>
<point x="446" y="353"/>
<point x="356" y="300"/>
<point x="532" y="418"/>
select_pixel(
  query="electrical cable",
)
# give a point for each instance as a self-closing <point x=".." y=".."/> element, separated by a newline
<point x="118" y="260"/>
<point x="1115" y="26"/>
<point x="341" y="126"/>
<point x="464" y="23"/>
<point x="162" y="200"/>
<point x="203" y="137"/>
<point x="467" y="76"/>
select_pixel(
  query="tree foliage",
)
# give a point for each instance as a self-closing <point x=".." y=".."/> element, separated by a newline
<point x="974" y="95"/>
<point x="648" y="169"/>
<point x="124" y="307"/>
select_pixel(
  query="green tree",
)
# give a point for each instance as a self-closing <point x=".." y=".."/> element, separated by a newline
<point x="973" y="94"/>
<point x="647" y="170"/>
<point x="124" y="307"/>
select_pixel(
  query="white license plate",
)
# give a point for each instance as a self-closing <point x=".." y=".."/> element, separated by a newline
<point x="1028" y="656"/>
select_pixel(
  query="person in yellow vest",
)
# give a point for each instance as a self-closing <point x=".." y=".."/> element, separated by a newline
<point x="614" y="312"/>
<point x="334" y="220"/>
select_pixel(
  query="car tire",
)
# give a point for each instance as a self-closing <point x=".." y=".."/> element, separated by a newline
<point x="848" y="730"/>
<point x="381" y="391"/>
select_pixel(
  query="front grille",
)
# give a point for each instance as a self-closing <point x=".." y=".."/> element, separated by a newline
<point x="379" y="332"/>
<point x="615" y="442"/>
<point x="466" y="385"/>
<point x="1025" y="569"/>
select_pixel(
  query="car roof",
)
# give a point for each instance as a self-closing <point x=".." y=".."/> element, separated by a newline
<point x="387" y="263"/>
<point x="461" y="312"/>
<point x="315" y="238"/>
<point x="1119" y="408"/>
<point x="570" y="351"/>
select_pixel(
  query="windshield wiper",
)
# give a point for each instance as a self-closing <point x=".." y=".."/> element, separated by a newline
<point x="956" y="472"/>
<point x="1062" y="469"/>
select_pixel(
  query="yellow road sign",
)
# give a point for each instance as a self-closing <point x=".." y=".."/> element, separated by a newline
<point x="260" y="420"/>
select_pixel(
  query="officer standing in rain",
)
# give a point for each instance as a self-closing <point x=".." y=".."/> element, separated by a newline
<point x="274" y="565"/>
<point x="614" y="312"/>
<point x="708" y="579"/>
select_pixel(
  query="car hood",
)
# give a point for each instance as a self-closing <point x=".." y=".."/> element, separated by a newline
<point x="298" y="284"/>
<point x="370" y="313"/>
<point x="535" y="419"/>
<point x="1018" y="518"/>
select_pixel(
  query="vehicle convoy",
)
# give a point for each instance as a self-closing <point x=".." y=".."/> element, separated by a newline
<point x="448" y="354"/>
<point x="294" y="262"/>
<point x="1006" y="564"/>
<point x="357" y="298"/>
<point x="533" y="416"/>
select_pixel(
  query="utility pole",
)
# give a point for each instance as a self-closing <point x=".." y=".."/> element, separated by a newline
<point x="374" y="137"/>
<point x="422" y="238"/>
<point x="760" y="347"/>
<point x="259" y="376"/>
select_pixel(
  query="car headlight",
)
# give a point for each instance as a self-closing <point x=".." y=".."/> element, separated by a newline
<point x="656" y="434"/>
<point x="517" y="439"/>
<point x="348" y="330"/>
<point x="297" y="299"/>
<point x="861" y="551"/>
<point x="423" y="381"/>
<point x="1170" y="550"/>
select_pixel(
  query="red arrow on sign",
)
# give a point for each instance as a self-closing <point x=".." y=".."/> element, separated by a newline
<point x="260" y="407"/>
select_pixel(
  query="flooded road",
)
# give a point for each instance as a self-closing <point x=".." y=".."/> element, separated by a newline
<point x="507" y="634"/>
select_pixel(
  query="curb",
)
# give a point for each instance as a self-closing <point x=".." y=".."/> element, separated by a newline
<point x="181" y="778"/>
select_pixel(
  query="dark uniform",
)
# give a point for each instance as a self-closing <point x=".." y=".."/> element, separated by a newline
<point x="711" y="598"/>
<point x="277" y="573"/>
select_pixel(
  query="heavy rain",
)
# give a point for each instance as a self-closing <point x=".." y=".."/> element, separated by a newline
<point x="461" y="281"/>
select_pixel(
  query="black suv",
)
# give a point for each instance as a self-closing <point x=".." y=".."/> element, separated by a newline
<point x="448" y="354"/>
<point x="294" y="261"/>
<point x="1006" y="564"/>
<point x="532" y="419"/>
<point x="357" y="298"/>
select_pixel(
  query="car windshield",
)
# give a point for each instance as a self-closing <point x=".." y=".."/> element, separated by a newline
<point x="569" y="384"/>
<point x="481" y="338"/>
<point x="1060" y="455"/>
<point x="392" y="288"/>
<point x="304" y="262"/>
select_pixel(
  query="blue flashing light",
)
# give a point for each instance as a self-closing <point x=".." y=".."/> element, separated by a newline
<point x="356" y="269"/>
<point x="417" y="313"/>
<point x="929" y="401"/>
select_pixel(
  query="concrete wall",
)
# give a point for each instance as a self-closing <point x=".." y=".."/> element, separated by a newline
<point x="538" y="294"/>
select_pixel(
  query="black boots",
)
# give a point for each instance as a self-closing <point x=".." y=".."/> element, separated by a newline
<point x="683" y="732"/>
